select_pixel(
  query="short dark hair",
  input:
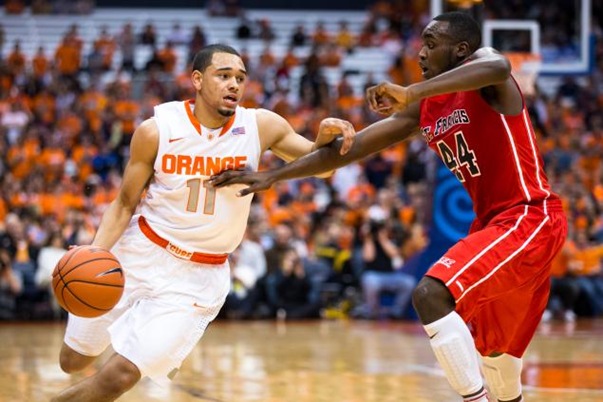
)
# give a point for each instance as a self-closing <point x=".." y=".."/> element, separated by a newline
<point x="204" y="56"/>
<point x="462" y="27"/>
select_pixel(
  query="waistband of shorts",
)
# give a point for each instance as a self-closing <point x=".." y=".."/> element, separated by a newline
<point x="203" y="258"/>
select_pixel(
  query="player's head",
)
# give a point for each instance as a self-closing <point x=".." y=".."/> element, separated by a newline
<point x="219" y="76"/>
<point x="448" y="40"/>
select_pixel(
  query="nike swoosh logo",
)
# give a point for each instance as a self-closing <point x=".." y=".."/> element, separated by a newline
<point x="175" y="139"/>
<point x="434" y="335"/>
<point x="111" y="271"/>
<point x="198" y="306"/>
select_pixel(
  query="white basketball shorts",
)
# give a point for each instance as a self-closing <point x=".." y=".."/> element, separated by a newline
<point x="166" y="305"/>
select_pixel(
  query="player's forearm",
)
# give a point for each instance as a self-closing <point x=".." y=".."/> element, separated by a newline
<point x="372" y="139"/>
<point x="114" y="222"/>
<point x="320" y="142"/>
<point x="485" y="71"/>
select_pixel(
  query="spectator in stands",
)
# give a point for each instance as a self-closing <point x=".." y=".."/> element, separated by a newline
<point x="16" y="61"/>
<point x="11" y="286"/>
<point x="248" y="297"/>
<point x="345" y="178"/>
<point x="148" y="36"/>
<point x="244" y="29"/>
<point x="382" y="242"/>
<point x="281" y="241"/>
<point x="155" y="62"/>
<point x="14" y="121"/>
<point x="68" y="57"/>
<point x="565" y="288"/>
<point x="345" y="38"/>
<point x="40" y="66"/>
<point x="177" y="35"/>
<point x="290" y="292"/>
<point x="265" y="31"/>
<point x="377" y="170"/>
<point x="106" y="46"/>
<point x="48" y="258"/>
<point x="196" y="42"/>
<point x="241" y="300"/>
<point x="299" y="37"/>
<point x="94" y="63"/>
<point x="127" y="41"/>
<point x="313" y="87"/>
<point x="367" y="33"/>
<point x="14" y="7"/>
<point x="320" y="36"/>
<point x="24" y="265"/>
<point x="585" y="263"/>
<point x="74" y="36"/>
<point x="330" y="55"/>
<point x="169" y="58"/>
<point x="333" y="246"/>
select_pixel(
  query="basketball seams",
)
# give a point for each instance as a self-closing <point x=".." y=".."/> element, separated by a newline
<point x="73" y="254"/>
<point x="87" y="262"/>
<point x="66" y="288"/>
<point x="93" y="283"/>
<point x="84" y="271"/>
<point x="67" y="274"/>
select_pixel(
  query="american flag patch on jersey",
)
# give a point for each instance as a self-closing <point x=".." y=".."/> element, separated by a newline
<point x="238" y="130"/>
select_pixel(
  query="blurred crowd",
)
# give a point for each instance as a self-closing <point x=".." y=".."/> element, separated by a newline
<point x="314" y="248"/>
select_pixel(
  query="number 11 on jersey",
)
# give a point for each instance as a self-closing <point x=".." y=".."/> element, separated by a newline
<point x="209" y="203"/>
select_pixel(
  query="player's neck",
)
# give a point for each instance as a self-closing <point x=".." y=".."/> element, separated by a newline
<point x="208" y="118"/>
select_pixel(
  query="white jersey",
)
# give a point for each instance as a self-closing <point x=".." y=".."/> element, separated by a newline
<point x="178" y="206"/>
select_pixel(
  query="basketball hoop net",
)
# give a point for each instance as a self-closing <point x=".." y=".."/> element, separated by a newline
<point x="525" y="67"/>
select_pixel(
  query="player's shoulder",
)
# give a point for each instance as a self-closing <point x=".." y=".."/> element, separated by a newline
<point x="267" y="117"/>
<point x="148" y="129"/>
<point x="167" y="108"/>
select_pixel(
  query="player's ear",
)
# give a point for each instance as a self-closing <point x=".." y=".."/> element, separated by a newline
<point x="197" y="79"/>
<point x="463" y="50"/>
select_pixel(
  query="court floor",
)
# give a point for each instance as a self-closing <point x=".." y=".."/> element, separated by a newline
<point x="334" y="361"/>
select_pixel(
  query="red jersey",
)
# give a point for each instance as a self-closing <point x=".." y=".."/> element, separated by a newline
<point x="495" y="156"/>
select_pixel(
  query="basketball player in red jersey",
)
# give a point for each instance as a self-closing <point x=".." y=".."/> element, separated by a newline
<point x="488" y="291"/>
<point x="174" y="243"/>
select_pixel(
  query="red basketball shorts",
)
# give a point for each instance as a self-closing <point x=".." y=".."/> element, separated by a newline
<point x="499" y="275"/>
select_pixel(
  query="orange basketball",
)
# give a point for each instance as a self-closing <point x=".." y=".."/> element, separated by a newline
<point x="88" y="281"/>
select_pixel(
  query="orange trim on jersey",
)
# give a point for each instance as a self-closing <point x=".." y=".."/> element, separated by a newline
<point x="188" y="105"/>
<point x="228" y="125"/>
<point x="189" y="111"/>
<point x="212" y="259"/>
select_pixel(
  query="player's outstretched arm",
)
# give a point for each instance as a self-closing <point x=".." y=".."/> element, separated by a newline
<point x="372" y="139"/>
<point x="484" y="68"/>
<point x="138" y="172"/>
<point x="277" y="135"/>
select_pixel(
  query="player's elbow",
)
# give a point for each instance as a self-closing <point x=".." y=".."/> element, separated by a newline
<point x="500" y="68"/>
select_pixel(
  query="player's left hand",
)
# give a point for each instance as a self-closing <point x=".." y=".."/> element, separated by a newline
<point x="256" y="181"/>
<point x="388" y="98"/>
<point x="331" y="128"/>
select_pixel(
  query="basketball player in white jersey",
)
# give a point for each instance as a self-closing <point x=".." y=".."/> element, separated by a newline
<point x="173" y="245"/>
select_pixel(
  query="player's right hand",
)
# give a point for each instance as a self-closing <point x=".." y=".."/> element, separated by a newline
<point x="256" y="181"/>
<point x="388" y="98"/>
